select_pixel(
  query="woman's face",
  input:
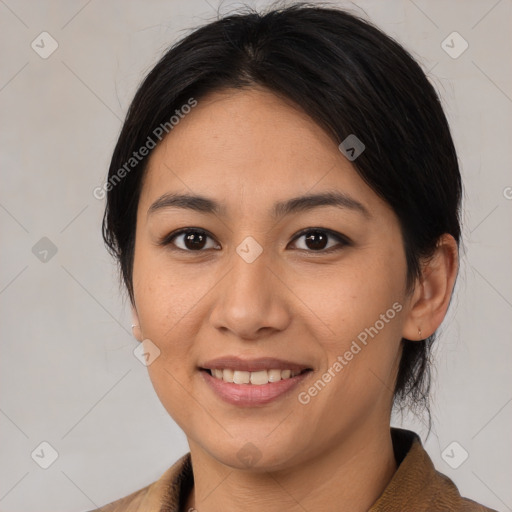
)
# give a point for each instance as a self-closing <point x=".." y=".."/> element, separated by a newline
<point x="259" y="282"/>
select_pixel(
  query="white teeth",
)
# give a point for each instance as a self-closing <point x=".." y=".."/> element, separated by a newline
<point x="240" y="377"/>
<point x="227" y="375"/>
<point x="257" y="378"/>
<point x="276" y="375"/>
<point x="260" y="378"/>
<point x="285" y="374"/>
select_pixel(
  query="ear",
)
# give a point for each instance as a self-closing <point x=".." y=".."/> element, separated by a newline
<point x="136" y="330"/>
<point x="432" y="291"/>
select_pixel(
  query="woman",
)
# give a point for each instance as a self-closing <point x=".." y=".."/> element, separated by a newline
<point x="283" y="201"/>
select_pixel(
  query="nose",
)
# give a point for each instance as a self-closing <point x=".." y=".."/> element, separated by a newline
<point x="251" y="300"/>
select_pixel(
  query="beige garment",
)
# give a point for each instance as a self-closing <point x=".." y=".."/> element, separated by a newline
<point x="415" y="487"/>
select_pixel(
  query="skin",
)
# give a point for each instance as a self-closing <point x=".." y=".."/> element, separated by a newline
<point x="249" y="149"/>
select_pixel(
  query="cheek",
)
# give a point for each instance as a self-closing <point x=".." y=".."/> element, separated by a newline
<point x="360" y="370"/>
<point x="168" y="317"/>
<point x="165" y="305"/>
<point x="346" y="299"/>
<point x="362" y="306"/>
<point x="168" y="314"/>
<point x="165" y="294"/>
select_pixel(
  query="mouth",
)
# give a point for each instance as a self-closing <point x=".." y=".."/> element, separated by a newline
<point x="250" y="383"/>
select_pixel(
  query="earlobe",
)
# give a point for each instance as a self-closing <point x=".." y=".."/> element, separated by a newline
<point x="136" y="330"/>
<point x="433" y="290"/>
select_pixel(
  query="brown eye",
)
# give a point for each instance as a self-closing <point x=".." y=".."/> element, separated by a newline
<point x="316" y="240"/>
<point x="191" y="240"/>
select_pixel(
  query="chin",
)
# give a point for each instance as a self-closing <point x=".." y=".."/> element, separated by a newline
<point x="256" y="453"/>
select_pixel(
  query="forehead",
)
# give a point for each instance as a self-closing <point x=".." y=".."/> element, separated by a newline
<point x="249" y="147"/>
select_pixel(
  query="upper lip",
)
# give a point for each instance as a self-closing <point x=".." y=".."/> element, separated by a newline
<point x="252" y="365"/>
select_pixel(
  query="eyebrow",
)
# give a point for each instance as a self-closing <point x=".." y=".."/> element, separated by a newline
<point x="280" y="209"/>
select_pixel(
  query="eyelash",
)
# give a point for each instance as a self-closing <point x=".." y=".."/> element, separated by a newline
<point x="343" y="241"/>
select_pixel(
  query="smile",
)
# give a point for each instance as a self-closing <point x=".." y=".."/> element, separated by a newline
<point x="251" y="383"/>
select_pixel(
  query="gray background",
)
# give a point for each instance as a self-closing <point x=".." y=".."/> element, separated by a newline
<point x="67" y="369"/>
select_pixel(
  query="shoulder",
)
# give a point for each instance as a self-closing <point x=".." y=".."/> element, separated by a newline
<point x="417" y="485"/>
<point x="167" y="489"/>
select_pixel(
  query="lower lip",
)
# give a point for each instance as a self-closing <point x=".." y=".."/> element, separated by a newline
<point x="249" y="395"/>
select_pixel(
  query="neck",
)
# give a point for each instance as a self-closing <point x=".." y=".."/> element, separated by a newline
<point x="349" y="476"/>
